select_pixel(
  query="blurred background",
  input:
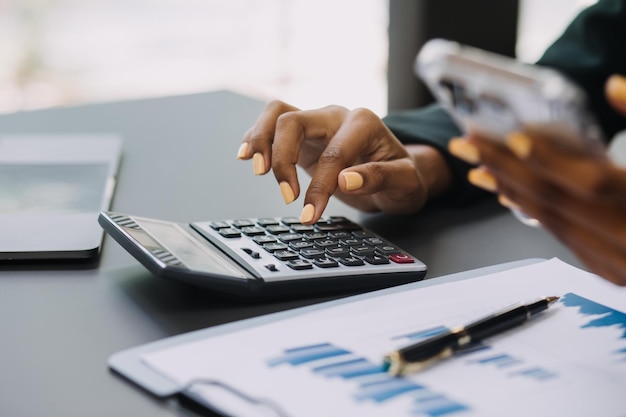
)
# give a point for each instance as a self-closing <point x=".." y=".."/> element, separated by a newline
<point x="309" y="53"/>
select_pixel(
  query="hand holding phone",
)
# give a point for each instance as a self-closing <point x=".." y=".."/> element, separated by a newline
<point x="493" y="95"/>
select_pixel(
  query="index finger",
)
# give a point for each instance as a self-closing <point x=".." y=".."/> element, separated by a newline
<point x="292" y="129"/>
<point x="259" y="138"/>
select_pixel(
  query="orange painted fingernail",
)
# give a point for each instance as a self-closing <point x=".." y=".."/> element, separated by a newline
<point x="353" y="180"/>
<point x="616" y="87"/>
<point x="519" y="144"/>
<point x="287" y="192"/>
<point x="483" y="179"/>
<point x="307" y="213"/>
<point x="243" y="150"/>
<point x="507" y="202"/>
<point x="258" y="163"/>
<point x="464" y="150"/>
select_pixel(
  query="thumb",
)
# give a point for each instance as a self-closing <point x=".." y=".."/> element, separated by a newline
<point x="616" y="92"/>
<point x="396" y="184"/>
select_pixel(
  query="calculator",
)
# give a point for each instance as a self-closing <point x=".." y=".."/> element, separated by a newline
<point x="258" y="257"/>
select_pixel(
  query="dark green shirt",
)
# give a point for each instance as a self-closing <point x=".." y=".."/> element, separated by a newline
<point x="591" y="49"/>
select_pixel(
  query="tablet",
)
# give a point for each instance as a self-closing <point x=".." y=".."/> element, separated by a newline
<point x="52" y="189"/>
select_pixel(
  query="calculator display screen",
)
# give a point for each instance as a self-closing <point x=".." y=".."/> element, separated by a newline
<point x="189" y="251"/>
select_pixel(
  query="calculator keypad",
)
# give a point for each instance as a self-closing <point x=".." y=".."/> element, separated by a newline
<point x="279" y="245"/>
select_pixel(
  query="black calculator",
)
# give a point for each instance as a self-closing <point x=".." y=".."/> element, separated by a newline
<point x="259" y="257"/>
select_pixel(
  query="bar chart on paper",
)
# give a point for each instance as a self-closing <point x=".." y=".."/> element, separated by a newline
<point x="570" y="361"/>
<point x="522" y="370"/>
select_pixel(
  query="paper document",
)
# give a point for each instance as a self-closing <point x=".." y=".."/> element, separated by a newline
<point x="569" y="361"/>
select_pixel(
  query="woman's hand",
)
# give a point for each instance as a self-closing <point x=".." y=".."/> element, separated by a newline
<point x="347" y="153"/>
<point x="579" y="197"/>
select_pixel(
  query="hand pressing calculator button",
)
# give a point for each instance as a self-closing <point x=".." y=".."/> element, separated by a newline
<point x="266" y="256"/>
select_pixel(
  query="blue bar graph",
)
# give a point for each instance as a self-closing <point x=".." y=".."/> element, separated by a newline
<point x="306" y="354"/>
<point x="500" y="360"/>
<point x="385" y="390"/>
<point x="350" y="369"/>
<point x="536" y="373"/>
<point x="423" y="334"/>
<point x="607" y="316"/>
<point x="370" y="379"/>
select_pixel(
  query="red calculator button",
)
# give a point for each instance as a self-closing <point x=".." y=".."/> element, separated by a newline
<point x="401" y="258"/>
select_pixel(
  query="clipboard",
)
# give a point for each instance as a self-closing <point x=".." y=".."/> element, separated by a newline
<point x="128" y="363"/>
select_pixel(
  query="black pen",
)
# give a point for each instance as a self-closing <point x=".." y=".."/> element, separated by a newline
<point x="418" y="356"/>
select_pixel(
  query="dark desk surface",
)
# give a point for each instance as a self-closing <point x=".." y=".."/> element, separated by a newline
<point x="59" y="325"/>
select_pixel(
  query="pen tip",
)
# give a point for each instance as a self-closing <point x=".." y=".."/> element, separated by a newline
<point x="551" y="300"/>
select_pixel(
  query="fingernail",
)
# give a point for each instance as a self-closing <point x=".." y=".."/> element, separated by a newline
<point x="483" y="179"/>
<point x="258" y="162"/>
<point x="243" y="150"/>
<point x="353" y="180"/>
<point x="287" y="192"/>
<point x="464" y="150"/>
<point x="307" y="213"/>
<point x="616" y="87"/>
<point x="507" y="202"/>
<point x="519" y="144"/>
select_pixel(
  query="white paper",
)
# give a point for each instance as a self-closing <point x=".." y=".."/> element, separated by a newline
<point x="570" y="360"/>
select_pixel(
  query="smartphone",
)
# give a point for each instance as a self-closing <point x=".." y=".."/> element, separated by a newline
<point x="492" y="95"/>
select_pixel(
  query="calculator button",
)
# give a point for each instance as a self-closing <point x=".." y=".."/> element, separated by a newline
<point x="387" y="250"/>
<point x="351" y="226"/>
<point x="300" y="244"/>
<point x="252" y="231"/>
<point x="218" y="225"/>
<point x="401" y="258"/>
<point x="301" y="228"/>
<point x="230" y="232"/>
<point x="340" y="235"/>
<point x="351" y="261"/>
<point x="242" y="223"/>
<point x="315" y="235"/>
<point x="278" y="229"/>
<point x="325" y="227"/>
<point x="290" y="220"/>
<point x="362" y="234"/>
<point x="289" y="237"/>
<point x="312" y="253"/>
<point x="326" y="243"/>
<point x="267" y="221"/>
<point x="351" y="242"/>
<point x="376" y="260"/>
<point x="286" y="255"/>
<point x="338" y="219"/>
<point x="325" y="263"/>
<point x="362" y="250"/>
<point x="273" y="247"/>
<point x="260" y="240"/>
<point x="375" y="241"/>
<point x="299" y="264"/>
<point x="338" y="251"/>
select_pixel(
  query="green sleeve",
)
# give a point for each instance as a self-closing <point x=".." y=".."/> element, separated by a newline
<point x="592" y="48"/>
